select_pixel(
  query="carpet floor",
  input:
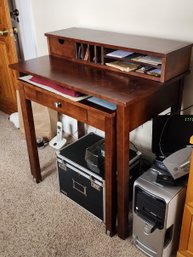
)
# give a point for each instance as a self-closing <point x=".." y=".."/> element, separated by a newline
<point x="36" y="220"/>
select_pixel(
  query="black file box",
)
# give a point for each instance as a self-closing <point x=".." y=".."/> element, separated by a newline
<point x="82" y="185"/>
<point x="78" y="182"/>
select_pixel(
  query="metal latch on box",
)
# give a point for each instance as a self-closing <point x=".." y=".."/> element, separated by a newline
<point x="94" y="184"/>
<point x="62" y="165"/>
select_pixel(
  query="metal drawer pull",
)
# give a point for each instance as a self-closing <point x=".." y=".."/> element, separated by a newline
<point x="80" y="188"/>
<point x="63" y="166"/>
<point x="57" y="104"/>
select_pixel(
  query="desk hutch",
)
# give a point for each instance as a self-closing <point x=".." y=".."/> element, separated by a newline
<point x="77" y="60"/>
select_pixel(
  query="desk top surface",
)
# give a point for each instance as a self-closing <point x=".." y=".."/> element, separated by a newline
<point x="120" y="89"/>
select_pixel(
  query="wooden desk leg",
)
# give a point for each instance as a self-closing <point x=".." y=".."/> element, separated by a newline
<point x="30" y="136"/>
<point x="175" y="109"/>
<point x="81" y="129"/>
<point x="110" y="176"/>
<point x="123" y="170"/>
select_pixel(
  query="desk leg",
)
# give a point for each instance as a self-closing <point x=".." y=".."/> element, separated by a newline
<point x="81" y="129"/>
<point x="110" y="176"/>
<point x="123" y="170"/>
<point x="30" y="136"/>
<point x="175" y="109"/>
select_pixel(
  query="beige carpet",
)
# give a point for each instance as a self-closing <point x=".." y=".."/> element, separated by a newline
<point x="36" y="220"/>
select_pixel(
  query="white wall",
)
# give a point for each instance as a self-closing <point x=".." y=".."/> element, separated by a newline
<point x="26" y="29"/>
<point x="171" y="19"/>
<point x="168" y="19"/>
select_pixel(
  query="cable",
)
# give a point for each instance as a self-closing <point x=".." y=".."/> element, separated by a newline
<point x="181" y="109"/>
<point x="187" y="108"/>
<point x="161" y="135"/>
<point x="134" y="146"/>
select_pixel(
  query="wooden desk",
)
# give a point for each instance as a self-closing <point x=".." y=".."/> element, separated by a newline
<point x="137" y="99"/>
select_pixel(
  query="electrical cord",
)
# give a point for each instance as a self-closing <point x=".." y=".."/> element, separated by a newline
<point x="134" y="146"/>
<point x="161" y="135"/>
<point x="187" y="108"/>
<point x="182" y="110"/>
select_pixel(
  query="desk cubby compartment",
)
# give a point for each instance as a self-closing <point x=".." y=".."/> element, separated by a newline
<point x="133" y="62"/>
<point x="89" y="53"/>
<point x="98" y="55"/>
<point x="82" y="51"/>
<point x="61" y="47"/>
<point x="92" y="54"/>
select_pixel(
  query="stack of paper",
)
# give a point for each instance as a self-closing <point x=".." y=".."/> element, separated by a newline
<point x="143" y="69"/>
<point x="102" y="102"/>
<point x="155" y="72"/>
<point x="148" y="59"/>
<point x="119" y="54"/>
<point x="123" y="66"/>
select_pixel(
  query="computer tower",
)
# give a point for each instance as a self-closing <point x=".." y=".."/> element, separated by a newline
<point x="157" y="214"/>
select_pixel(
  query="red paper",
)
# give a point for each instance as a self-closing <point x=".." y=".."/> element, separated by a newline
<point x="53" y="85"/>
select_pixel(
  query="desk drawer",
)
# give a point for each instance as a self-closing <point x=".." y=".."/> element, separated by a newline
<point x="96" y="120"/>
<point x="72" y="110"/>
<point x="76" y="112"/>
<point x="61" y="47"/>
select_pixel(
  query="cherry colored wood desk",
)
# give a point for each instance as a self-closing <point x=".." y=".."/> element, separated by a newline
<point x="138" y="99"/>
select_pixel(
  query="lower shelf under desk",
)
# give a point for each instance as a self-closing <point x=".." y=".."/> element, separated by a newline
<point x="99" y="118"/>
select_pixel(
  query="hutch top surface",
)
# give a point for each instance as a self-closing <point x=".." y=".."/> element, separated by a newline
<point x="160" y="46"/>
